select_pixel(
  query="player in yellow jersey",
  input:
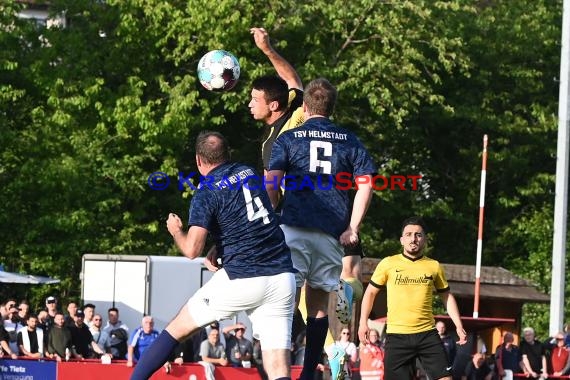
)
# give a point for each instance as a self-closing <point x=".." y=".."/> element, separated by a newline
<point x="410" y="279"/>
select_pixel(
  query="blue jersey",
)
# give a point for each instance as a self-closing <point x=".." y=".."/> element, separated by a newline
<point x="232" y="204"/>
<point x="313" y="156"/>
<point x="141" y="341"/>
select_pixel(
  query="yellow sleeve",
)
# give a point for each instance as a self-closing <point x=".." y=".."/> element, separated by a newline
<point x="380" y="275"/>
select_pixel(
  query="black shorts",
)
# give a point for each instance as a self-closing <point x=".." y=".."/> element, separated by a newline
<point x="402" y="350"/>
<point x="354" y="250"/>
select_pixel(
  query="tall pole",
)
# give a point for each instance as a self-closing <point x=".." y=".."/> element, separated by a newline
<point x="561" y="188"/>
<point x="480" y="232"/>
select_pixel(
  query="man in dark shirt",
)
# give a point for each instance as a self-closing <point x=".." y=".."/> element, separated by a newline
<point x="448" y="342"/>
<point x="533" y="355"/>
<point x="59" y="340"/>
<point x="508" y="356"/>
<point x="82" y="339"/>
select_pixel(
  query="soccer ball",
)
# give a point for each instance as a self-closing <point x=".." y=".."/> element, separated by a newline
<point x="218" y="70"/>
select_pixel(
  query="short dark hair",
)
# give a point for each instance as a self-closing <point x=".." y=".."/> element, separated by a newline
<point x="212" y="147"/>
<point x="275" y="89"/>
<point x="414" y="221"/>
<point x="320" y="97"/>
<point x="88" y="305"/>
<point x="113" y="309"/>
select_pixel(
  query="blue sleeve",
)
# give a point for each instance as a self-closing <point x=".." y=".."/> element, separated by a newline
<point x="134" y="335"/>
<point x="363" y="163"/>
<point x="202" y="209"/>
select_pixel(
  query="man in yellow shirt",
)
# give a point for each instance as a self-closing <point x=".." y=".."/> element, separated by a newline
<point x="410" y="278"/>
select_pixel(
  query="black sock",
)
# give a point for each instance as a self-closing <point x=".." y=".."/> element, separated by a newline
<point x="317" y="329"/>
<point x="154" y="356"/>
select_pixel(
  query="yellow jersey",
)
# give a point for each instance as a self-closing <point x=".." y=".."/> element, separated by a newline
<point x="410" y="284"/>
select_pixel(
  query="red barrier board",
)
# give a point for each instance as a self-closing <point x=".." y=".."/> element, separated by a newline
<point x="94" y="370"/>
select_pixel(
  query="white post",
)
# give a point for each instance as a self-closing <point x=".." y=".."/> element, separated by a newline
<point x="561" y="196"/>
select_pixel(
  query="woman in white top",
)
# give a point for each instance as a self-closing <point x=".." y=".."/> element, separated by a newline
<point x="342" y="354"/>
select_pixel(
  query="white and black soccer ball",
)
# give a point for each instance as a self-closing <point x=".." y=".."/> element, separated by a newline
<point x="218" y="70"/>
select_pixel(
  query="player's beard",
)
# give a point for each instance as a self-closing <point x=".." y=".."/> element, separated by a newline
<point x="414" y="250"/>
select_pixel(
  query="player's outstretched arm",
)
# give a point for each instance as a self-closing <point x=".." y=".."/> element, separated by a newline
<point x="453" y="312"/>
<point x="191" y="244"/>
<point x="280" y="64"/>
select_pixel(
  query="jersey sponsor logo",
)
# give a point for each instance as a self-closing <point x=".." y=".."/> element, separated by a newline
<point x="408" y="280"/>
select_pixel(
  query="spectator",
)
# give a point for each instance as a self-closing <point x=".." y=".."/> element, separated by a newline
<point x="7" y="306"/>
<point x="342" y="354"/>
<point x="82" y="339"/>
<point x="12" y="324"/>
<point x="560" y="356"/>
<point x="200" y="336"/>
<point x="31" y="339"/>
<point x="52" y="309"/>
<point x="71" y="312"/>
<point x="42" y="317"/>
<point x="448" y="342"/>
<point x="89" y="311"/>
<point x="100" y="336"/>
<point x="372" y="357"/>
<point x="119" y="342"/>
<point x="60" y="345"/>
<point x="23" y="311"/>
<point x="212" y="353"/>
<point x="140" y="339"/>
<point x="206" y="333"/>
<point x="3" y="311"/>
<point x="5" y="344"/>
<point x="508" y="358"/>
<point x="533" y="355"/>
<point x="239" y="350"/>
<point x="113" y="321"/>
<point x="478" y="369"/>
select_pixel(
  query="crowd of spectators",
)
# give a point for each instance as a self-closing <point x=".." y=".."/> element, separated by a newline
<point x="50" y="333"/>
